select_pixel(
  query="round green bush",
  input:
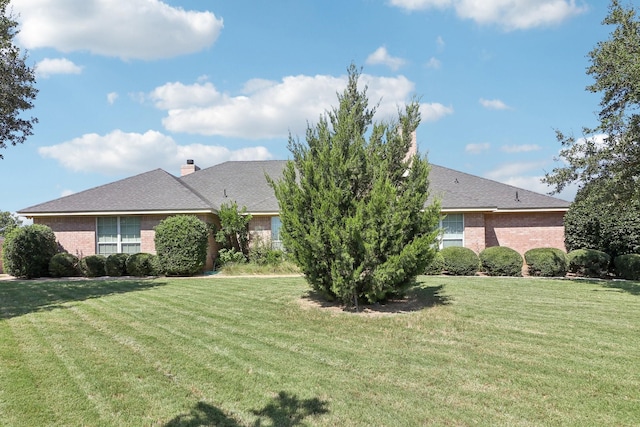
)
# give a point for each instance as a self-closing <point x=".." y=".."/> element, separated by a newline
<point x="627" y="266"/>
<point x="501" y="261"/>
<point x="64" y="264"/>
<point x="546" y="262"/>
<point x="143" y="264"/>
<point x="588" y="262"/>
<point x="181" y="244"/>
<point x="93" y="266"/>
<point x="26" y="251"/>
<point x="460" y="261"/>
<point x="116" y="265"/>
<point x="436" y="266"/>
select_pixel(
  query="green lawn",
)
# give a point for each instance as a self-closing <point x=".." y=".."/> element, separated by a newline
<point x="251" y="352"/>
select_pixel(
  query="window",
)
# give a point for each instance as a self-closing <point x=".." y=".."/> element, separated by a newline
<point x="118" y="234"/>
<point x="276" y="243"/>
<point x="453" y="230"/>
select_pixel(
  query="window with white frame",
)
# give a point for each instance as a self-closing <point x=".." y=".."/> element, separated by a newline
<point x="276" y="243"/>
<point x="118" y="234"/>
<point x="452" y="230"/>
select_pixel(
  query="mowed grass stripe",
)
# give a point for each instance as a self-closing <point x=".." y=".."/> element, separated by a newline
<point x="235" y="331"/>
<point x="119" y="383"/>
<point x="501" y="352"/>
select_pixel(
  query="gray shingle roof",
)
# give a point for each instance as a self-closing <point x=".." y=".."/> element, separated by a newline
<point x="245" y="183"/>
<point x="156" y="190"/>
<point x="240" y="181"/>
<point x="459" y="190"/>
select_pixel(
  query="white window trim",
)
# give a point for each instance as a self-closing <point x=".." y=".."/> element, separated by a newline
<point x="119" y="236"/>
<point x="275" y="243"/>
<point x="441" y="237"/>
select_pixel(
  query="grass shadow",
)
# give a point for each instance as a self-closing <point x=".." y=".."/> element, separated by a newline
<point x="417" y="298"/>
<point x="288" y="410"/>
<point x="629" y="286"/>
<point x="632" y="288"/>
<point x="19" y="297"/>
<point x="203" y="414"/>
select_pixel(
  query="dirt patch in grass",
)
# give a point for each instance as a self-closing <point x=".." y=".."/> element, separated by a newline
<point x="416" y="299"/>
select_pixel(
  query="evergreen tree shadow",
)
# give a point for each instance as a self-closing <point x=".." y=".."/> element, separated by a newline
<point x="203" y="414"/>
<point x="19" y="297"/>
<point x="286" y="410"/>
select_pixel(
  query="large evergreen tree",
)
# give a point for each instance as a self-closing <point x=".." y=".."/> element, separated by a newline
<point x="614" y="157"/>
<point x="16" y="83"/>
<point x="353" y="210"/>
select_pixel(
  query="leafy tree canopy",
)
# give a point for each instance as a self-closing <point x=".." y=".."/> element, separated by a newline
<point x="16" y="84"/>
<point x="353" y="210"/>
<point x="611" y="150"/>
<point x="234" y="228"/>
<point x="8" y="222"/>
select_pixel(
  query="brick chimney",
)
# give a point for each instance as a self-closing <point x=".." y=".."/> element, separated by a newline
<point x="413" y="148"/>
<point x="190" y="167"/>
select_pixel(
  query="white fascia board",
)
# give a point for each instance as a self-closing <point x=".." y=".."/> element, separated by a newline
<point x="113" y="213"/>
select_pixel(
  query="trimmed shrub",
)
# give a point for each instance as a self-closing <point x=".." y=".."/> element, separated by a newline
<point x="27" y="251"/>
<point x="93" y="266"/>
<point x="460" y="261"/>
<point x="436" y="266"/>
<point x="116" y="265"/>
<point x="627" y="266"/>
<point x="181" y="243"/>
<point x="546" y="262"/>
<point x="64" y="264"/>
<point x="143" y="264"/>
<point x="588" y="262"/>
<point x="501" y="261"/>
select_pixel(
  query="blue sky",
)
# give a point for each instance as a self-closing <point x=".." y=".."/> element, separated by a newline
<point x="127" y="86"/>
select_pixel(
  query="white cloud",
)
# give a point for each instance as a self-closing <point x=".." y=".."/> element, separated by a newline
<point x="271" y="109"/>
<point x="66" y="192"/>
<point x="510" y="170"/>
<point x="177" y="95"/>
<point x="477" y="148"/>
<point x="440" y="43"/>
<point x="112" y="97"/>
<point x="528" y="175"/>
<point x="48" y="67"/>
<point x="434" y="63"/>
<point x="381" y="56"/>
<point x="125" y="153"/>
<point x="493" y="104"/>
<point x="508" y="14"/>
<point x="434" y="112"/>
<point x="128" y="29"/>
<point x="524" y="148"/>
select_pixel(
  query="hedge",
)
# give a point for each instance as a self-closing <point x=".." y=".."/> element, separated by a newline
<point x="64" y="264"/>
<point x="436" y="266"/>
<point x="460" y="261"/>
<point x="181" y="243"/>
<point x="501" y="261"/>
<point x="143" y="264"/>
<point x="588" y="262"/>
<point x="116" y="265"/>
<point x="546" y="262"/>
<point x="627" y="266"/>
<point x="27" y="251"/>
<point x="93" y="266"/>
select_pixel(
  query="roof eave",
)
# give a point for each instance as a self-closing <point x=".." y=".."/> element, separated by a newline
<point x="116" y="213"/>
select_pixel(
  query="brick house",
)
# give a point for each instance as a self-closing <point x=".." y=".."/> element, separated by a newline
<point x="121" y="216"/>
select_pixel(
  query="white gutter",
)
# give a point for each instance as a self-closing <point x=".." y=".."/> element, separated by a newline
<point x="113" y="213"/>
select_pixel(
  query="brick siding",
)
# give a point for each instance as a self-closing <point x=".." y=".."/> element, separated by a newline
<point x="259" y="229"/>
<point x="77" y="235"/>
<point x="524" y="231"/>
